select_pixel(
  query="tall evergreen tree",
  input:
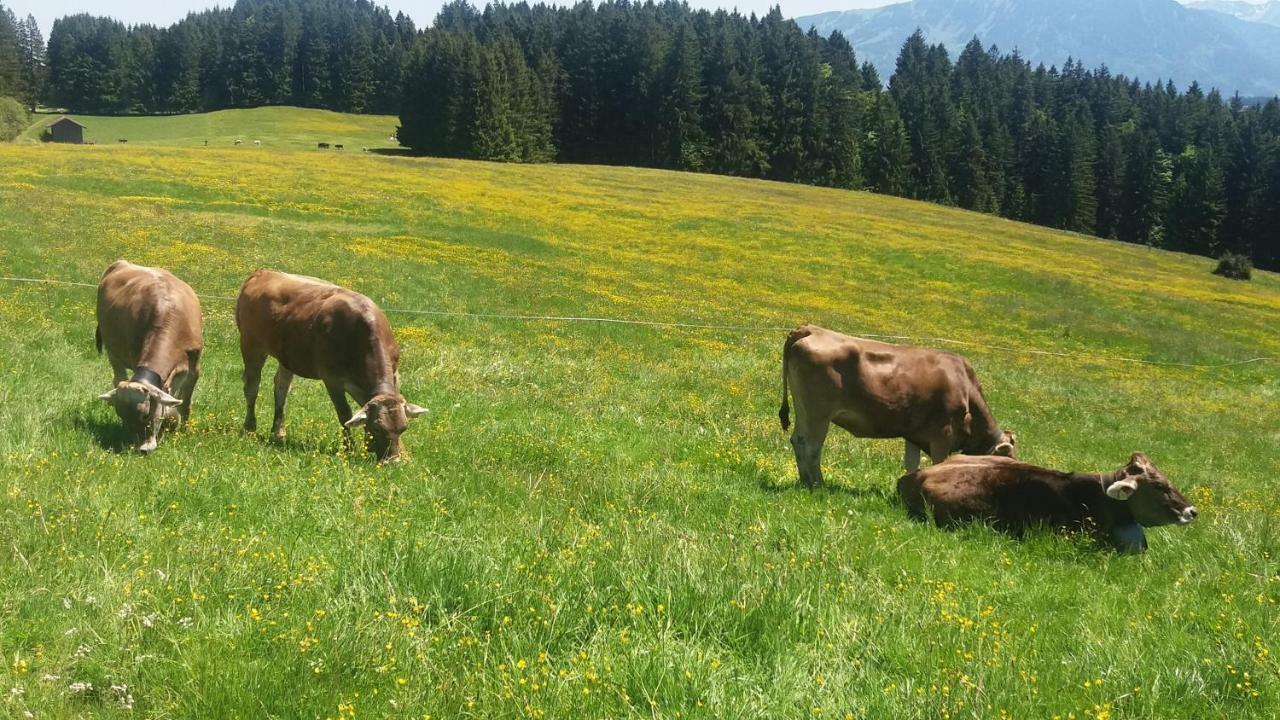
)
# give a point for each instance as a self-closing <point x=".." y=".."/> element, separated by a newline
<point x="10" y="54"/>
<point x="34" y="65"/>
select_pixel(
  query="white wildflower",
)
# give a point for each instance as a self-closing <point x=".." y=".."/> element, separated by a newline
<point x="123" y="696"/>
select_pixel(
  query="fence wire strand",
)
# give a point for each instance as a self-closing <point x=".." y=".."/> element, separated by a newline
<point x="733" y="328"/>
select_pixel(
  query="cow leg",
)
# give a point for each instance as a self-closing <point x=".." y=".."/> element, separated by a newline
<point x="193" y="375"/>
<point x="252" y="378"/>
<point x="807" y="441"/>
<point x="119" y="370"/>
<point x="911" y="456"/>
<point x="283" y="378"/>
<point x="338" y="395"/>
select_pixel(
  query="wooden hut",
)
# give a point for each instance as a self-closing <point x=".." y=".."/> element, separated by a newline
<point x="66" y="130"/>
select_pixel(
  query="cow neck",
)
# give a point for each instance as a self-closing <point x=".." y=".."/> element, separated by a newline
<point x="381" y="375"/>
<point x="984" y="433"/>
<point x="158" y="354"/>
<point x="146" y="375"/>
<point x="1114" y="511"/>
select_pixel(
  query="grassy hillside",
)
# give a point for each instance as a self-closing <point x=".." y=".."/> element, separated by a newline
<point x="274" y="127"/>
<point x="600" y="520"/>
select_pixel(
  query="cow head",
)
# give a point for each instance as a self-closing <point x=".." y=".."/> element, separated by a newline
<point x="385" y="418"/>
<point x="1007" y="446"/>
<point x="1149" y="496"/>
<point x="144" y="409"/>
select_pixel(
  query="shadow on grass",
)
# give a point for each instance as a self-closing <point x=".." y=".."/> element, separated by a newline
<point x="772" y="485"/>
<point x="309" y="444"/>
<point x="110" y="434"/>
<point x="394" y="152"/>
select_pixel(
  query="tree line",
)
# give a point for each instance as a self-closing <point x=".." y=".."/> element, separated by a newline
<point x="345" y="55"/>
<point x="22" y="58"/>
<point x="663" y="85"/>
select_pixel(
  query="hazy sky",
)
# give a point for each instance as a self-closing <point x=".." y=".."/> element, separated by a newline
<point x="165" y="12"/>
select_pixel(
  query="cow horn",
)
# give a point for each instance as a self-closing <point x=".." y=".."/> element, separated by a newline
<point x="1122" y="489"/>
<point x="414" y="411"/>
<point x="163" y="397"/>
<point x="361" y="415"/>
<point x="108" y="396"/>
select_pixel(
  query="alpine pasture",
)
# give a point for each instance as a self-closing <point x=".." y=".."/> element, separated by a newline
<point x="600" y="520"/>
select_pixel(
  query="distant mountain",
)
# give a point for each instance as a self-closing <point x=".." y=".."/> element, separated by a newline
<point x="1147" y="39"/>
<point x="1268" y="12"/>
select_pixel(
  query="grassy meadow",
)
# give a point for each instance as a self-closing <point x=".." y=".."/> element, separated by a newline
<point x="601" y="520"/>
<point x="275" y="127"/>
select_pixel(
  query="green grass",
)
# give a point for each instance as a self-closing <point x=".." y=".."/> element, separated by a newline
<point x="274" y="127"/>
<point x="602" y="520"/>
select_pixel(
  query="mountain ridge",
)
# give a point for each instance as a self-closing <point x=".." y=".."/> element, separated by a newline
<point x="1267" y="13"/>
<point x="1152" y="40"/>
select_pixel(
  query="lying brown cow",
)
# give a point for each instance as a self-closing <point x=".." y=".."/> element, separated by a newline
<point x="149" y="321"/>
<point x="324" y="332"/>
<point x="876" y="390"/>
<point x="1013" y="495"/>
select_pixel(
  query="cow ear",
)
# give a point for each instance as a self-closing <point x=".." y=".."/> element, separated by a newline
<point x="109" y="395"/>
<point x="1122" y="489"/>
<point x="1139" y="464"/>
<point x="1004" y="449"/>
<point x="414" y="411"/>
<point x="361" y="415"/>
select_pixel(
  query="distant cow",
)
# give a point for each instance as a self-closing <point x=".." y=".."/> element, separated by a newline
<point x="149" y="321"/>
<point x="237" y="142"/>
<point x="1013" y="495"/>
<point x="322" y="146"/>
<point x="930" y="398"/>
<point x="123" y="140"/>
<point x="337" y="147"/>
<point x="322" y="331"/>
<point x="257" y="143"/>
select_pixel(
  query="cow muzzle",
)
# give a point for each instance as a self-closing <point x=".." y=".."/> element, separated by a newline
<point x="1188" y="514"/>
<point x="149" y="444"/>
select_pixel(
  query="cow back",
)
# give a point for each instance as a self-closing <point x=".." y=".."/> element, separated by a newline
<point x="317" y="329"/>
<point x="148" y="316"/>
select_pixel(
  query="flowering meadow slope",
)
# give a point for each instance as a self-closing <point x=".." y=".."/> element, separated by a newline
<point x="600" y="520"/>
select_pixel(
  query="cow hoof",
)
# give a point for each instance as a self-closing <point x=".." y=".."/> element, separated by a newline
<point x="277" y="438"/>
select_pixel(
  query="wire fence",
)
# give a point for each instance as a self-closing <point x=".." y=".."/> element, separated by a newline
<point x="923" y="340"/>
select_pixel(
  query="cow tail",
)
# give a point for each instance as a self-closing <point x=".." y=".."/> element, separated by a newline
<point x="97" y="338"/>
<point x="784" y="412"/>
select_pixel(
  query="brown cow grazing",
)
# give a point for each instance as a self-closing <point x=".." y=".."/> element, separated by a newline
<point x="149" y="321"/>
<point x="929" y="398"/>
<point x="324" y="332"/>
<point x="1013" y="495"/>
